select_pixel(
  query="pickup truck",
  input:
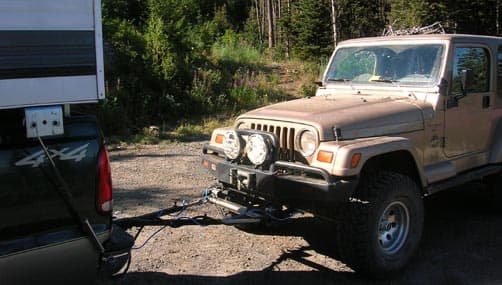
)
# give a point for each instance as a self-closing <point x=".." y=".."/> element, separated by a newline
<point x="396" y="118"/>
<point x="55" y="183"/>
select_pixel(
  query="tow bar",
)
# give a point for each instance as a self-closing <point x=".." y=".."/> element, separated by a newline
<point x="241" y="215"/>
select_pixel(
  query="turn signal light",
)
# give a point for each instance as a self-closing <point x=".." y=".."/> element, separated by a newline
<point x="356" y="157"/>
<point x="325" y="156"/>
<point x="219" y="138"/>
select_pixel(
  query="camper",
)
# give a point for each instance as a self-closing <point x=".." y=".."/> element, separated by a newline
<point x="55" y="183"/>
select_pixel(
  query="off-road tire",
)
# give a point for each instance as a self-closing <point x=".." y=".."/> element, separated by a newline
<point x="380" y="229"/>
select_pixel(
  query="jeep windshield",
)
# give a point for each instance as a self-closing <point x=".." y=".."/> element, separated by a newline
<point x="397" y="64"/>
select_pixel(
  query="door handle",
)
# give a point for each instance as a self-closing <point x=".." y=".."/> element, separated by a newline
<point x="486" y="102"/>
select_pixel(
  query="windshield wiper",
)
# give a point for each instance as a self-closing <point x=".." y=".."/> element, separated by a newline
<point x="384" y="80"/>
<point x="338" y="80"/>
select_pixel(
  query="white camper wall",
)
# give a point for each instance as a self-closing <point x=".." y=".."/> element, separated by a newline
<point x="34" y="71"/>
<point x="47" y="14"/>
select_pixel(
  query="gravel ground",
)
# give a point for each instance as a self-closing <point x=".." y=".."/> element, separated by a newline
<point x="462" y="243"/>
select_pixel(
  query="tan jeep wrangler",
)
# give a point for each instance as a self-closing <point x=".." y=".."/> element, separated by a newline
<point x="396" y="119"/>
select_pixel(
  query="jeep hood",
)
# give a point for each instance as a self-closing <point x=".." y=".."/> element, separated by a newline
<point x="352" y="116"/>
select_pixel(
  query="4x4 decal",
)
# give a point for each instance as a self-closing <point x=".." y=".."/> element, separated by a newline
<point x="34" y="160"/>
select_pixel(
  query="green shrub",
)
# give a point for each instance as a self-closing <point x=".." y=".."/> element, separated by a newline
<point x="308" y="90"/>
<point x="244" y="97"/>
<point x="207" y="86"/>
<point x="231" y="48"/>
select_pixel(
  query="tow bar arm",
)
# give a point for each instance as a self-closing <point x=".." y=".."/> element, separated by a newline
<point x="121" y="243"/>
<point x="156" y="218"/>
<point x="127" y="223"/>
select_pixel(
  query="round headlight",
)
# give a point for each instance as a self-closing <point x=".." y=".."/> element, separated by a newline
<point x="307" y="142"/>
<point x="257" y="149"/>
<point x="232" y="145"/>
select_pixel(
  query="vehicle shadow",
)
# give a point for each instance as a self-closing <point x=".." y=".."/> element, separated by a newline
<point x="462" y="244"/>
<point x="153" y="198"/>
<point x="127" y="157"/>
<point x="247" y="277"/>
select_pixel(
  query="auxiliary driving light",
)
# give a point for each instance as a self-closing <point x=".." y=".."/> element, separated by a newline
<point x="232" y="145"/>
<point x="257" y="149"/>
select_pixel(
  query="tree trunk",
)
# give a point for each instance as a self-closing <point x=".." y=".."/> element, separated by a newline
<point x="288" y="42"/>
<point x="263" y="5"/>
<point x="333" y="14"/>
<point x="277" y="16"/>
<point x="271" y="35"/>
<point x="258" y="21"/>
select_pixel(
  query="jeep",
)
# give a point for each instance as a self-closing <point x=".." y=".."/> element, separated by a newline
<point x="395" y="119"/>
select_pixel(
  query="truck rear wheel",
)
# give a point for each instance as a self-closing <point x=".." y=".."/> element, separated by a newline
<point x="386" y="224"/>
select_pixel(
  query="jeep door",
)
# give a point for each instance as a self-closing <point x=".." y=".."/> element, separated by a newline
<point x="467" y="114"/>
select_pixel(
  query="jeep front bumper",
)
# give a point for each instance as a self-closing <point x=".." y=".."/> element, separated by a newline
<point x="282" y="181"/>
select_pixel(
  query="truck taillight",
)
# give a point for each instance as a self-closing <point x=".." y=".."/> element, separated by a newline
<point x="104" y="198"/>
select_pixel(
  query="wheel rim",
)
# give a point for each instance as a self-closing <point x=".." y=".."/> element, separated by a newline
<point x="393" y="227"/>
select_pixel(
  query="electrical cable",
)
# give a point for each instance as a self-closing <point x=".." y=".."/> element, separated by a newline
<point x="160" y="214"/>
<point x="194" y="220"/>
<point x="205" y="195"/>
<point x="163" y="227"/>
<point x="184" y="205"/>
<point x="149" y="238"/>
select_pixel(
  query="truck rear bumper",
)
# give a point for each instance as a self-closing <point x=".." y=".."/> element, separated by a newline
<point x="284" y="180"/>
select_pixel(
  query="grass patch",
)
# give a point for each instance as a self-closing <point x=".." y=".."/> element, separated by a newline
<point x="195" y="130"/>
<point x="190" y="131"/>
<point x="233" y="49"/>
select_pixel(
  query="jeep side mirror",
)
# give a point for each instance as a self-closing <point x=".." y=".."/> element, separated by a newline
<point x="466" y="81"/>
<point x="466" y="77"/>
<point x="451" y="101"/>
<point x="318" y="83"/>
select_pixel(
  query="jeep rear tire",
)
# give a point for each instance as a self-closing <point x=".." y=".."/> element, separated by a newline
<point x="386" y="216"/>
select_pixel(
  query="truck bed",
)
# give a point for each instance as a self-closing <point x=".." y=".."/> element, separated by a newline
<point x="38" y="233"/>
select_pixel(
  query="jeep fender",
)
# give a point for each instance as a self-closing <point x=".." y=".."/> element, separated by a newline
<point x="398" y="150"/>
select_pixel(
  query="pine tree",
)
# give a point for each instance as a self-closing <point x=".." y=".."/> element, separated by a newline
<point x="408" y="13"/>
<point x="312" y="29"/>
<point x="474" y="17"/>
<point x="359" y="18"/>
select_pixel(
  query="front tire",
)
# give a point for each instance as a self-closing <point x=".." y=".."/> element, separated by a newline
<point x="386" y="224"/>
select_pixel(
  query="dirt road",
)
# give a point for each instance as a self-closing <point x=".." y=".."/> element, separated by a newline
<point x="462" y="243"/>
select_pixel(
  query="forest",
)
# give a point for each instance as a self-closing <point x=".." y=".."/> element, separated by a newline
<point x="172" y="61"/>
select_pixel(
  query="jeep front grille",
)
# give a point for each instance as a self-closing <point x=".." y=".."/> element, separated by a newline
<point x="285" y="136"/>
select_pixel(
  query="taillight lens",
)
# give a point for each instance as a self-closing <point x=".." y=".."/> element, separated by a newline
<point x="104" y="199"/>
